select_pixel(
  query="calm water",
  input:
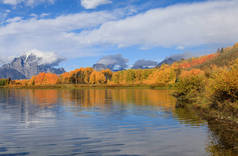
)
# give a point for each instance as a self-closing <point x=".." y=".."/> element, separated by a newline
<point x="104" y="122"/>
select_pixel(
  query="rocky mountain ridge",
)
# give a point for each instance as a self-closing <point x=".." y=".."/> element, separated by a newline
<point x="26" y="66"/>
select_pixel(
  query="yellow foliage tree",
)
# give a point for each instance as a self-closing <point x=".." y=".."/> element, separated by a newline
<point x="97" y="78"/>
<point x="163" y="76"/>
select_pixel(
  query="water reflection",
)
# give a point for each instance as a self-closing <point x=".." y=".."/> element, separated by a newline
<point x="104" y="122"/>
<point x="223" y="139"/>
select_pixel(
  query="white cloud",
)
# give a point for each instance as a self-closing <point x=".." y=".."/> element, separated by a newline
<point x="26" y="2"/>
<point x="180" y="47"/>
<point x="50" y="34"/>
<point x="3" y="15"/>
<point x="50" y="58"/>
<point x="44" y="15"/>
<point x="12" y="2"/>
<point x="113" y="59"/>
<point x="15" y="19"/>
<point x="91" y="4"/>
<point x="184" y="24"/>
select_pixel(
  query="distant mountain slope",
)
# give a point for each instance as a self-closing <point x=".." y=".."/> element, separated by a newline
<point x="225" y="57"/>
<point x="1" y="62"/>
<point x="26" y="66"/>
<point x="144" y="64"/>
<point x="168" y="61"/>
<point x="12" y="73"/>
<point x="99" y="67"/>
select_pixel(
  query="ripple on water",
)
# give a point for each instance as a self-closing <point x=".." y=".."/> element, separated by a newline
<point x="98" y="122"/>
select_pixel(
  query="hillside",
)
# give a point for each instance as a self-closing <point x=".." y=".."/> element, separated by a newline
<point x="225" y="57"/>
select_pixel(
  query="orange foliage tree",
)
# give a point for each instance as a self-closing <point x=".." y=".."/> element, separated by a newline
<point x="44" y="79"/>
<point x="77" y="76"/>
<point x="192" y="72"/>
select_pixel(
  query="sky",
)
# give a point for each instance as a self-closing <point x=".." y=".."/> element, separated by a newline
<point x="84" y="31"/>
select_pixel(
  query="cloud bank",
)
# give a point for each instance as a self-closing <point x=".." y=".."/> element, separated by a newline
<point x="77" y="35"/>
<point x="113" y="62"/>
<point x="44" y="58"/>
<point x="180" y="25"/>
<point x="56" y="34"/>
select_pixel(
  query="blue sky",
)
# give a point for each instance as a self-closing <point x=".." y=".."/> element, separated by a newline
<point x="83" y="31"/>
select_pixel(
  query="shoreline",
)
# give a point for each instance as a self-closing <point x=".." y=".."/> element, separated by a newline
<point x="215" y="116"/>
<point x="78" y="86"/>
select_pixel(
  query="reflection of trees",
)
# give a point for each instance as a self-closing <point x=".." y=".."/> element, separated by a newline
<point x="39" y="97"/>
<point x="44" y="97"/>
<point x="223" y="139"/>
<point x="91" y="98"/>
<point x="188" y="116"/>
<point x="30" y="104"/>
<point x="105" y="98"/>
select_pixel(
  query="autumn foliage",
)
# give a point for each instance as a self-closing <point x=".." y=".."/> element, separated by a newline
<point x="97" y="78"/>
<point x="163" y="76"/>
<point x="77" y="76"/>
<point x="193" y="72"/>
<point x="44" y="79"/>
<point x="190" y="85"/>
<point x="196" y="61"/>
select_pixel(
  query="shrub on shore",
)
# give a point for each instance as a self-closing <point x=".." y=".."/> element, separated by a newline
<point x="222" y="89"/>
<point x="217" y="92"/>
<point x="190" y="85"/>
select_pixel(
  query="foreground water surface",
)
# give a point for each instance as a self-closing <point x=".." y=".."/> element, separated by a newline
<point x="104" y="122"/>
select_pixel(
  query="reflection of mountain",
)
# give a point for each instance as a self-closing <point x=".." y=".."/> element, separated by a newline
<point x="24" y="105"/>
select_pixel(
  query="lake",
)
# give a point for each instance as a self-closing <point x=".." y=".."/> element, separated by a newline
<point x="129" y="122"/>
